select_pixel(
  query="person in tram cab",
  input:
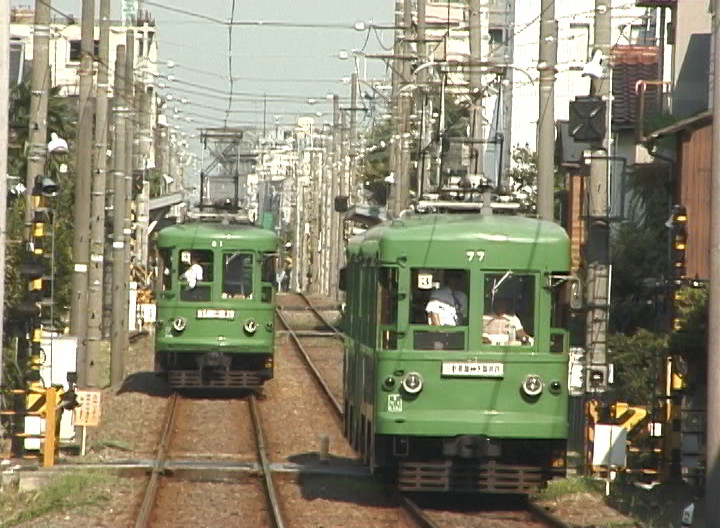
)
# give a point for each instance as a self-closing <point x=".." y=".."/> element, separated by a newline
<point x="447" y="305"/>
<point x="502" y="327"/>
<point x="194" y="273"/>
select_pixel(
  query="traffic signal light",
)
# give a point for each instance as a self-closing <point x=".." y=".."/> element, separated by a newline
<point x="678" y="240"/>
<point x="587" y="119"/>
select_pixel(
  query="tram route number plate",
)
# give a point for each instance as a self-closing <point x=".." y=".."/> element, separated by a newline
<point x="472" y="369"/>
<point x="209" y="313"/>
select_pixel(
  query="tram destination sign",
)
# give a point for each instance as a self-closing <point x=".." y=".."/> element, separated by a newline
<point x="472" y="369"/>
<point x="209" y="313"/>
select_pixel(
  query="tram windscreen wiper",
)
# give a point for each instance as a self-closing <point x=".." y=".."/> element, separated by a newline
<point x="497" y="283"/>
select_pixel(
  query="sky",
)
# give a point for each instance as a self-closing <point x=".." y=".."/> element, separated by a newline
<point x="299" y="62"/>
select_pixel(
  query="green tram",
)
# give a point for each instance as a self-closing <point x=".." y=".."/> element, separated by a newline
<point x="456" y="357"/>
<point x="215" y="305"/>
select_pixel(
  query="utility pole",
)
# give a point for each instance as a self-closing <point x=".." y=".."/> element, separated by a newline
<point x="405" y="102"/>
<point x="712" y="455"/>
<point x="4" y="99"/>
<point x="130" y="164"/>
<point x="118" y="341"/>
<point x="97" y="205"/>
<point x="597" y="246"/>
<point x="83" y="167"/>
<point x="477" y="136"/>
<point x="336" y="174"/>
<point x="353" y="133"/>
<point x="39" y="89"/>
<point x="143" y="200"/>
<point x="546" y="117"/>
<point x="397" y="198"/>
<point x="422" y="101"/>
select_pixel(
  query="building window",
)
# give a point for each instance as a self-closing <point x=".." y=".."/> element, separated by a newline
<point x="75" y="50"/>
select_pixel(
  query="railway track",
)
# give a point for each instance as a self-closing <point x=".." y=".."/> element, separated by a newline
<point x="163" y="470"/>
<point x="532" y="516"/>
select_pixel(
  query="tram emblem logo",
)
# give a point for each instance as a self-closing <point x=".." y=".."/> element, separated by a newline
<point x="394" y="403"/>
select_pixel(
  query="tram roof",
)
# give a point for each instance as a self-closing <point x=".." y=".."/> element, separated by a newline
<point x="441" y="235"/>
<point x="204" y="233"/>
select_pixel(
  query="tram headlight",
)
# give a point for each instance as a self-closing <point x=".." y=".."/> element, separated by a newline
<point x="412" y="383"/>
<point x="533" y="385"/>
<point x="179" y="324"/>
<point x="250" y="326"/>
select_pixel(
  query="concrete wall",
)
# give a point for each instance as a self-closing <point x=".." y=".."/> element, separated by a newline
<point x="691" y="64"/>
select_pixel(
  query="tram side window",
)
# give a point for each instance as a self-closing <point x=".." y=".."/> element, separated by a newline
<point x="439" y="297"/>
<point x="387" y="307"/>
<point x="237" y="276"/>
<point x="268" y="276"/>
<point x="196" y="267"/>
<point x="509" y="314"/>
<point x="165" y="269"/>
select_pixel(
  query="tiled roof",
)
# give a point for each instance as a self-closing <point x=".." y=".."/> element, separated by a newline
<point x="630" y="65"/>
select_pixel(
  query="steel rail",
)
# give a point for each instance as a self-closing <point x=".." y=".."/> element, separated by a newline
<point x="273" y="503"/>
<point x="316" y="373"/>
<point x="320" y="316"/>
<point x="546" y="517"/>
<point x="134" y="336"/>
<point x="143" y="517"/>
<point x="417" y="516"/>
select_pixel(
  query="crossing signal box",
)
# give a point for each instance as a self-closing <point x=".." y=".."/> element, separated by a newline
<point x="588" y="119"/>
<point x="678" y="270"/>
<point x="678" y="237"/>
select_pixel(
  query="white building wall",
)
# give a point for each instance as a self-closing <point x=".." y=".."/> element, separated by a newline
<point x="575" y="36"/>
<point x="64" y="66"/>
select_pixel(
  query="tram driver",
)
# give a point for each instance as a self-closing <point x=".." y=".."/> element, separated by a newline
<point x="502" y="327"/>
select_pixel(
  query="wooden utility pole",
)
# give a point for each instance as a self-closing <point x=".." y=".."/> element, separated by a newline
<point x="83" y="168"/>
<point x="97" y="205"/>
<point x="597" y="245"/>
<point x="4" y="99"/>
<point x="546" y="117"/>
<point x="118" y="341"/>
<point x="712" y="454"/>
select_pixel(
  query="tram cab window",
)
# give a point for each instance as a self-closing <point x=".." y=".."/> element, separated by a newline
<point x="439" y="299"/>
<point x="164" y="270"/>
<point x="387" y="296"/>
<point x="195" y="268"/>
<point x="237" y="276"/>
<point x="269" y="264"/>
<point x="509" y="313"/>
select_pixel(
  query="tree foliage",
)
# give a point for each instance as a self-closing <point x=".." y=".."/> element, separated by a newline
<point x="638" y="360"/>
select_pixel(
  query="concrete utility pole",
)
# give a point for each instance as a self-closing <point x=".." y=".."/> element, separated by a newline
<point x="118" y="343"/>
<point x="83" y="168"/>
<point x="477" y="136"/>
<point x="597" y="246"/>
<point x="352" y="145"/>
<point x="143" y="199"/>
<point x="97" y="205"/>
<point x="130" y="163"/>
<point x="405" y="102"/>
<point x="336" y="175"/>
<point x="712" y="455"/>
<point x="39" y="88"/>
<point x="4" y="99"/>
<point x="546" y="117"/>
<point x="422" y="102"/>
<point x="399" y="193"/>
